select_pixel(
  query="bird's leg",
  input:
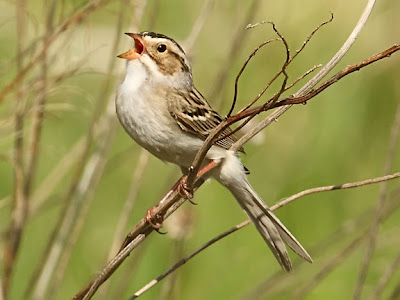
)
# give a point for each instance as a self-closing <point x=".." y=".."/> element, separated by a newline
<point x="155" y="220"/>
<point x="186" y="191"/>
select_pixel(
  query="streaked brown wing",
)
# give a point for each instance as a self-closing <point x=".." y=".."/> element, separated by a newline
<point x="193" y="114"/>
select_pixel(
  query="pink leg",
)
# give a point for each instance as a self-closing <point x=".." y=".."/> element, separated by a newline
<point x="156" y="220"/>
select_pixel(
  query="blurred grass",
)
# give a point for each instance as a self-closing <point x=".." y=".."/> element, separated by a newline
<point x="340" y="136"/>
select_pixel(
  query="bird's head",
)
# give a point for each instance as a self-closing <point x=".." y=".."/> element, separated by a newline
<point x="162" y="56"/>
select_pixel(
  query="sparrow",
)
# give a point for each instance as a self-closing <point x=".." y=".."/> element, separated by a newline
<point x="159" y="107"/>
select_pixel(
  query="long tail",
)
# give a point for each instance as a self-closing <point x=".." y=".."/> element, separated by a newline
<point x="268" y="225"/>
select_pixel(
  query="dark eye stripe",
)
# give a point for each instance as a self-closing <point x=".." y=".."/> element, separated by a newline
<point x="161" y="36"/>
<point x="182" y="61"/>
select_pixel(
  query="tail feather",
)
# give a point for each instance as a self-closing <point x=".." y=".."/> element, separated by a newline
<point x="232" y="175"/>
<point x="285" y="234"/>
<point x="270" y="234"/>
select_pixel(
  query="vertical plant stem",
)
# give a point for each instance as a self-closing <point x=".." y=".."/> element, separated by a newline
<point x="20" y="205"/>
<point x="237" y="43"/>
<point x="374" y="229"/>
<point x="39" y="107"/>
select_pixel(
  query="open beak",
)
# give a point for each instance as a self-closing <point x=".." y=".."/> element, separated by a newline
<point x="136" y="52"/>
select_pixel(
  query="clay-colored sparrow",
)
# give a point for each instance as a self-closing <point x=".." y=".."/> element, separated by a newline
<point x="159" y="107"/>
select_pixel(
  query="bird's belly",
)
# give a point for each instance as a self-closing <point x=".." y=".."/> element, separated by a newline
<point x="160" y="135"/>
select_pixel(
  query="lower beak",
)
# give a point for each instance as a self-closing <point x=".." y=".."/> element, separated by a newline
<point x="136" y="52"/>
<point x="130" y="54"/>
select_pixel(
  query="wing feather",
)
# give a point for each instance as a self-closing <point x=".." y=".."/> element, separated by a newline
<point x="194" y="114"/>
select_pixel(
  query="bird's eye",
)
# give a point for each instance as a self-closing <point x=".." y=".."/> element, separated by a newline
<point x="161" y="48"/>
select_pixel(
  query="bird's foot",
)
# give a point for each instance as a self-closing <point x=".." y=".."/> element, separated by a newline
<point x="155" y="220"/>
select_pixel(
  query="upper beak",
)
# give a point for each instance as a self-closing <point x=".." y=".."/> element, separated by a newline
<point x="136" y="52"/>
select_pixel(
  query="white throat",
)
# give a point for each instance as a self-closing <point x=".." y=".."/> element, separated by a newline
<point x="136" y="77"/>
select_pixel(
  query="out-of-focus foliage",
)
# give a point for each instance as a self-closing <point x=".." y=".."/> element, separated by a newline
<point x="340" y="136"/>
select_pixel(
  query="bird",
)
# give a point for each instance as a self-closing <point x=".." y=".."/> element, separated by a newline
<point x="160" y="108"/>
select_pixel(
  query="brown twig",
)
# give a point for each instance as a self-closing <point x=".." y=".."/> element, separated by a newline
<point x="348" y="70"/>
<point x="302" y="76"/>
<point x="235" y="93"/>
<point x="308" y="39"/>
<point x="288" y="60"/>
<point x="313" y="81"/>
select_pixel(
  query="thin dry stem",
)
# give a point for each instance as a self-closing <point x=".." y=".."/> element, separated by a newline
<point x="276" y="76"/>
<point x="302" y="77"/>
<point x="308" y="39"/>
<point x="288" y="60"/>
<point x="235" y="94"/>
<point x="187" y="258"/>
<point x="349" y="185"/>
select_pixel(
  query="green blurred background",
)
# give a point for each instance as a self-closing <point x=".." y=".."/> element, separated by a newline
<point x="340" y="136"/>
